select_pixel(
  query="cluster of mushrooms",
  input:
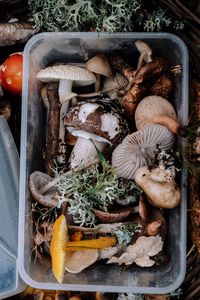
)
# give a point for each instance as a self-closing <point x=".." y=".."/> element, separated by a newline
<point x="125" y="114"/>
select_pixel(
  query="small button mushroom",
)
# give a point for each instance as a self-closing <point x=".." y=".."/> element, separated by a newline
<point x="66" y="75"/>
<point x="138" y="148"/>
<point x="153" y="228"/>
<point x="156" y="110"/>
<point x="145" y="53"/>
<point x="159" y="191"/>
<point x="99" y="65"/>
<point x="91" y="121"/>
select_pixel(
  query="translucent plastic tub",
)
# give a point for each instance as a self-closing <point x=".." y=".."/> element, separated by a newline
<point x="10" y="281"/>
<point x="43" y="50"/>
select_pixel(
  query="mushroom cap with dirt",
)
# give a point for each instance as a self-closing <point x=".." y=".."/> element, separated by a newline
<point x="138" y="148"/>
<point x="159" y="186"/>
<point x="93" y="121"/>
<point x="150" y="107"/>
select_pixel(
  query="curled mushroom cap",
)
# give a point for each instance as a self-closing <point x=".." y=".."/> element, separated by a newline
<point x="37" y="182"/>
<point x="151" y="106"/>
<point x="99" y="64"/>
<point x="145" y="53"/>
<point x="138" y="147"/>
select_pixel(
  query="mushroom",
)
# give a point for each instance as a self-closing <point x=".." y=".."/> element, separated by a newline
<point x="130" y="100"/>
<point x="159" y="186"/>
<point x="153" y="228"/>
<point x="77" y="261"/>
<point x="44" y="188"/>
<point x="120" y="65"/>
<point x="91" y="121"/>
<point x="38" y="295"/>
<point x="138" y="148"/>
<point x="66" y="75"/>
<point x="145" y="53"/>
<point x="114" y="87"/>
<point x="140" y="252"/>
<point x="99" y="65"/>
<point x="39" y="180"/>
<point x="161" y="87"/>
<point x="156" y="110"/>
<point x="113" y="217"/>
<point x="62" y="295"/>
<point x="15" y="32"/>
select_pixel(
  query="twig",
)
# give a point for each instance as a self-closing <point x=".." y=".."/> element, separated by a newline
<point x="181" y="15"/>
<point x="188" y="12"/>
<point x="190" y="251"/>
<point x="194" y="294"/>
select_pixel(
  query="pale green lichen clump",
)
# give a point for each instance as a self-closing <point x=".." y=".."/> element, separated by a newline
<point x="105" y="15"/>
<point x="95" y="187"/>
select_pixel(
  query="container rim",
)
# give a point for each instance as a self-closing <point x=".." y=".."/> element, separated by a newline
<point x="101" y="288"/>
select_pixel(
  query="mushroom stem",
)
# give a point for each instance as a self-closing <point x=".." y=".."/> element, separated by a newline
<point x="65" y="94"/>
<point x="97" y="83"/>
<point x="89" y="95"/>
<point x="65" y="90"/>
<point x="167" y="121"/>
<point x="84" y="151"/>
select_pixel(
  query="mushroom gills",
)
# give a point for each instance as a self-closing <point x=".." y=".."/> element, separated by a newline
<point x="137" y="149"/>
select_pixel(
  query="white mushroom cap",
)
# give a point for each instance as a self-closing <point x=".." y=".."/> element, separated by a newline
<point x="78" y="75"/>
<point x="137" y="148"/>
<point x="151" y="106"/>
<point x="77" y="261"/>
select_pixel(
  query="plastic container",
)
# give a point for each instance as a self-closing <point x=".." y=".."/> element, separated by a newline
<point x="10" y="282"/>
<point x="43" y="50"/>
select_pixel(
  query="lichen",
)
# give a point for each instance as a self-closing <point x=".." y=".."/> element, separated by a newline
<point x="95" y="187"/>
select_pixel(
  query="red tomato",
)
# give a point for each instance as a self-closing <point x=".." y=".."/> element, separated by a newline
<point x="11" y="73"/>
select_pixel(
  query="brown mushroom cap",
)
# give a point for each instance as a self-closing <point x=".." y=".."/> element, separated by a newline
<point x="151" y="106"/>
<point x="99" y="64"/>
<point x="93" y="118"/>
<point x="137" y="148"/>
